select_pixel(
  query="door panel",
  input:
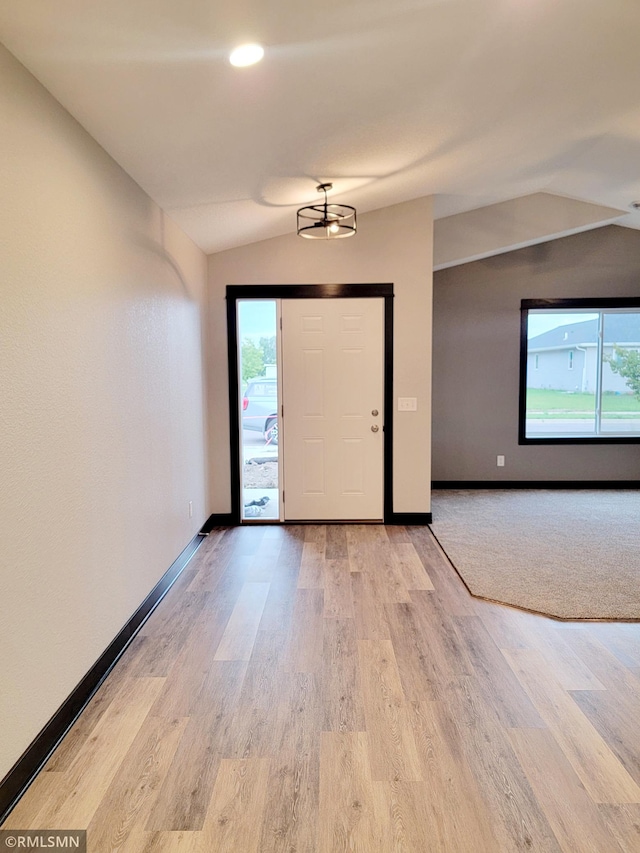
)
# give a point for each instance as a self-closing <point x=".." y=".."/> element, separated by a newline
<point x="332" y="381"/>
<point x="313" y="466"/>
<point x="352" y="466"/>
<point x="313" y="383"/>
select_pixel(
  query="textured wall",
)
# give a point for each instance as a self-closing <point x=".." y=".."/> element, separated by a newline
<point x="102" y="416"/>
<point x="394" y="245"/>
<point x="476" y="352"/>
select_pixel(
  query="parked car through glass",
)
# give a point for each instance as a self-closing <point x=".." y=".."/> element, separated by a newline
<point x="260" y="408"/>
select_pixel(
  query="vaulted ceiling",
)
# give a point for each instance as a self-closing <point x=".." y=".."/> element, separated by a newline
<point x="472" y="101"/>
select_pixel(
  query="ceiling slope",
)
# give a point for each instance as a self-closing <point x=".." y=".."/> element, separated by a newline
<point x="473" y="102"/>
<point x="514" y="224"/>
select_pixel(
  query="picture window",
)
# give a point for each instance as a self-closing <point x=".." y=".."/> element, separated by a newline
<point x="580" y="371"/>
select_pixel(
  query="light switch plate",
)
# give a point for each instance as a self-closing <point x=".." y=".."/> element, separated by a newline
<point x="407" y="404"/>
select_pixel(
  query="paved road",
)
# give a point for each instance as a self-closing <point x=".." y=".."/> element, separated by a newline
<point x="631" y="425"/>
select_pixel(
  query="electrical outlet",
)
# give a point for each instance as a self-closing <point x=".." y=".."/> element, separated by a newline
<point x="190" y="509"/>
<point x="500" y="461"/>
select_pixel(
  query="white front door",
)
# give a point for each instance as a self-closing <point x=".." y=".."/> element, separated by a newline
<point x="333" y="398"/>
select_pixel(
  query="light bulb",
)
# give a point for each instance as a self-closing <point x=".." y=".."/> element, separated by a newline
<point x="246" y="54"/>
<point x="334" y="228"/>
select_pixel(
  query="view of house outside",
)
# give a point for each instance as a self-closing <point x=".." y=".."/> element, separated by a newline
<point x="577" y="387"/>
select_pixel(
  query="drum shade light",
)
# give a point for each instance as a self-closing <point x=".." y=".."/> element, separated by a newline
<point x="326" y="221"/>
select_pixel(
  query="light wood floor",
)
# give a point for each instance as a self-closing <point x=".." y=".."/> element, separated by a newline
<point x="324" y="689"/>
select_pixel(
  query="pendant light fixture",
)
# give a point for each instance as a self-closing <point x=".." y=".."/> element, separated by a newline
<point x="326" y="221"/>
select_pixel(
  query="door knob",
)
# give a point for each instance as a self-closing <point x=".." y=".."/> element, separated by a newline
<point x="375" y="428"/>
<point x="374" y="412"/>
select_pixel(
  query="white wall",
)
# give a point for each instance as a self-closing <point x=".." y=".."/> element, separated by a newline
<point x="393" y="245"/>
<point x="102" y="414"/>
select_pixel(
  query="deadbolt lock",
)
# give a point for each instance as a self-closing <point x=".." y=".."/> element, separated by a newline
<point x="375" y="428"/>
<point x="374" y="412"/>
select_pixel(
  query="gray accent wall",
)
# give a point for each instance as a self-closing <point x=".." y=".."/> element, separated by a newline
<point x="476" y="352"/>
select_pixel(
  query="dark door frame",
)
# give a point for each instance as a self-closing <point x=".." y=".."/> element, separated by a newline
<point x="309" y="291"/>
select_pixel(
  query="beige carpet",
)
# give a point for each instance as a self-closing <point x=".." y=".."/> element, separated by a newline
<point x="568" y="553"/>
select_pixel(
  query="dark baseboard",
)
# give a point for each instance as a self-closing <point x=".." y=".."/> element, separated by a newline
<point x="31" y="761"/>
<point x="228" y="520"/>
<point x="535" y="484"/>
<point x="409" y="518"/>
<point x="221" y="519"/>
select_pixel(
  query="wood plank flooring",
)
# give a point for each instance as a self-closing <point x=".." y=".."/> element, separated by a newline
<point x="318" y="689"/>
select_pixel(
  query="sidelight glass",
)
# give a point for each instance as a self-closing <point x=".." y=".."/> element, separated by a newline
<point x="258" y="416"/>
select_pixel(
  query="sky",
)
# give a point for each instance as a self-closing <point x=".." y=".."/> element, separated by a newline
<point x="545" y="320"/>
<point x="256" y="319"/>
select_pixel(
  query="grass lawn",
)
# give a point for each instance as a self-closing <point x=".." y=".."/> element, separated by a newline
<point x="545" y="403"/>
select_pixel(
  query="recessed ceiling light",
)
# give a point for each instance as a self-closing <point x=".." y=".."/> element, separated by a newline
<point x="246" y="54"/>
